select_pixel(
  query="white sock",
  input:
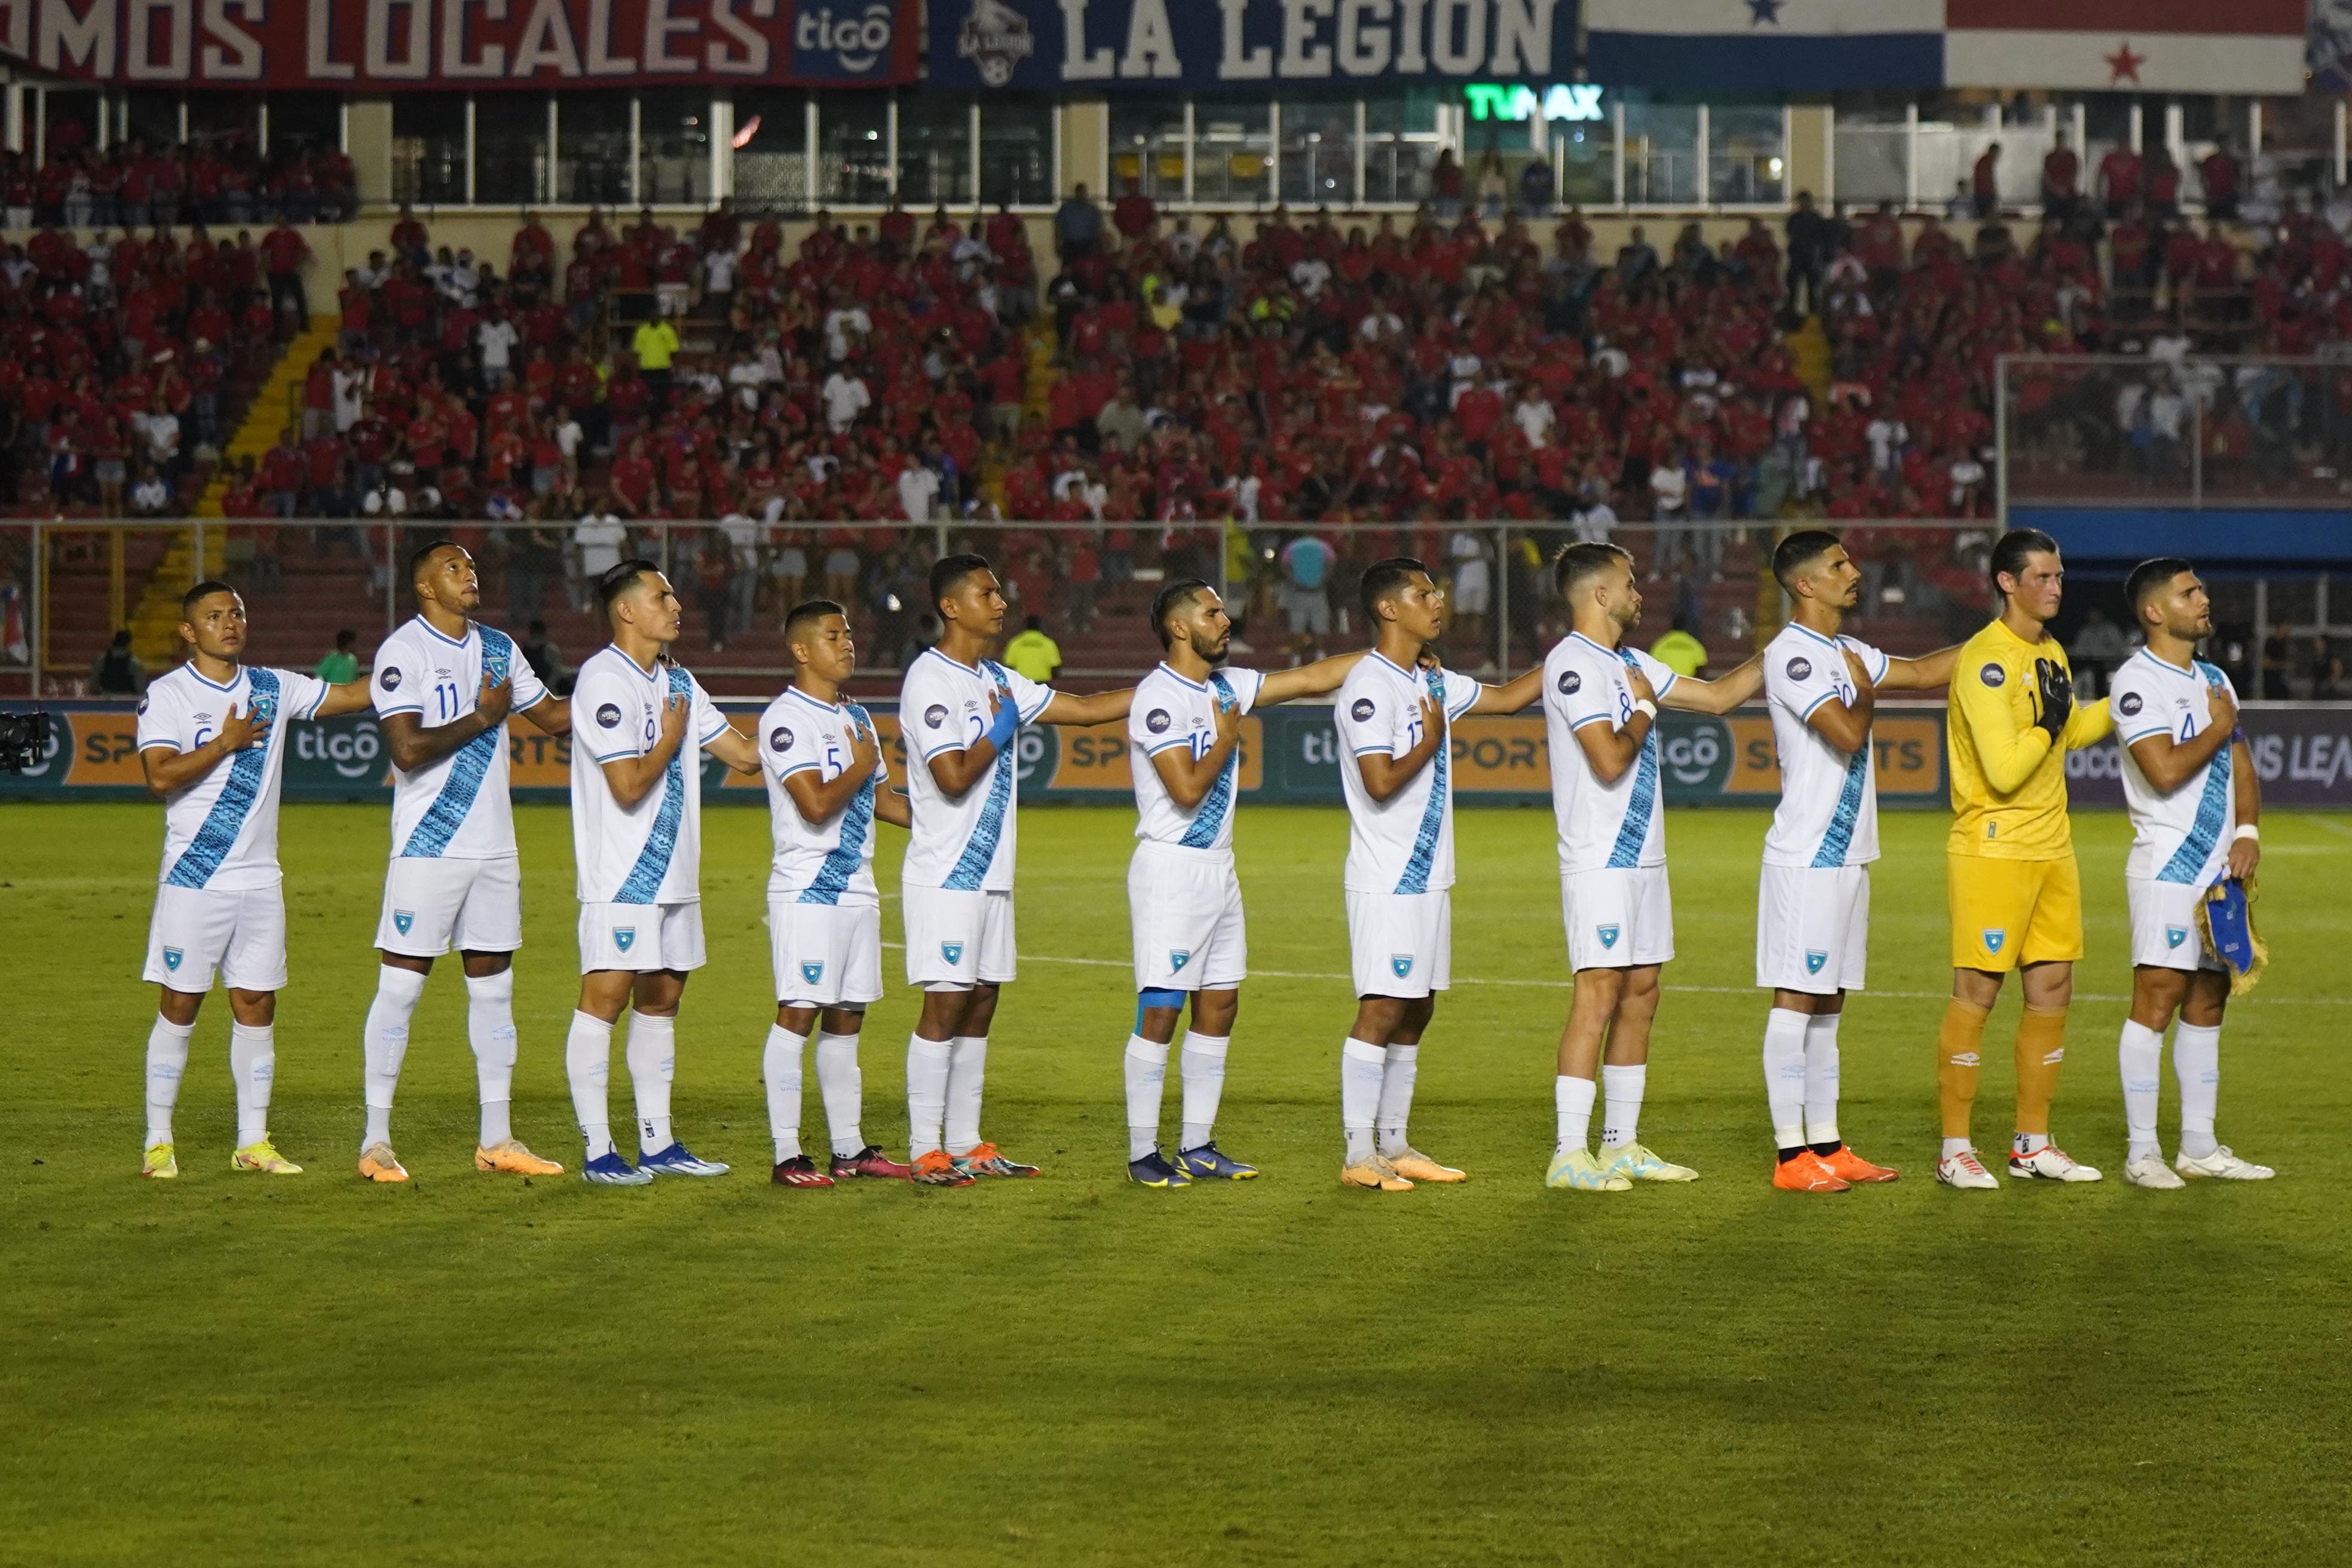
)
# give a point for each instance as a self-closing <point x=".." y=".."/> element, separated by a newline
<point x="253" y="1062"/>
<point x="780" y="1065"/>
<point x="2197" y="1063"/>
<point x="653" y="1064"/>
<point x="1955" y="1146"/>
<point x="1362" y="1068"/>
<point x="1621" y="1097"/>
<point x="167" y="1058"/>
<point x="1784" y="1075"/>
<point x="1146" y="1062"/>
<point x="1400" y="1067"/>
<point x="1821" y="1078"/>
<point x="2139" y="1058"/>
<point x="385" y="1042"/>
<point x="926" y="1093"/>
<point x="967" y="1071"/>
<point x="490" y="1029"/>
<point x="1572" y="1101"/>
<point x="2030" y="1143"/>
<point x="844" y="1088"/>
<point x="1203" y="1061"/>
<point x="588" y="1063"/>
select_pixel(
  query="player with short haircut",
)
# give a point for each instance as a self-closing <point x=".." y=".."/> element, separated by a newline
<point x="1184" y="900"/>
<point x="825" y="773"/>
<point x="959" y="712"/>
<point x="212" y="742"/>
<point x="1813" y="902"/>
<point x="442" y="687"/>
<point x="1394" y="713"/>
<point x="1601" y="702"/>
<point x="2015" y="890"/>
<point x="2196" y="810"/>
<point x="636" y="836"/>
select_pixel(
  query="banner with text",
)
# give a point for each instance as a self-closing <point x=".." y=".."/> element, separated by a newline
<point x="1210" y="46"/>
<point x="407" y="45"/>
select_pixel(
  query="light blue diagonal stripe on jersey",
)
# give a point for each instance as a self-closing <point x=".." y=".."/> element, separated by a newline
<point x="972" y="866"/>
<point x="1433" y="815"/>
<point x="1211" y="816"/>
<point x="430" y="838"/>
<point x="841" y="861"/>
<point x="645" y="879"/>
<point x="2212" y="807"/>
<point x="1635" y="831"/>
<point x="217" y="836"/>
<point x="1839" y="840"/>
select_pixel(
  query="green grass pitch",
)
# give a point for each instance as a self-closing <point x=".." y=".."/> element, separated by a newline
<point x="471" y="1370"/>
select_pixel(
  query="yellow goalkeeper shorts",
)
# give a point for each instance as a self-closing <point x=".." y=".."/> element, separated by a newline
<point x="2008" y="913"/>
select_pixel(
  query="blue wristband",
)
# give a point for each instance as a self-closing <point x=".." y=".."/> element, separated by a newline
<point x="1000" y="727"/>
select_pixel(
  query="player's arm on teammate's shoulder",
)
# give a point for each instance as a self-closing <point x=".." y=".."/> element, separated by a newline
<point x="553" y="715"/>
<point x="1846" y="725"/>
<point x="2169" y="763"/>
<point x="1384" y="774"/>
<point x="1721" y="695"/>
<point x="1516" y="695"/>
<point x="1187" y="779"/>
<point x="2246" y="849"/>
<point x="1317" y="679"/>
<point x="632" y="778"/>
<point x="1098" y="708"/>
<point x="1925" y="673"/>
<point x="350" y="697"/>
<point x="169" y="769"/>
<point x="413" y="745"/>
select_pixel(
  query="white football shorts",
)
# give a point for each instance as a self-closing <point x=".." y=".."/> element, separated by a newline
<point x="957" y="938"/>
<point x="1617" y="918"/>
<point x="640" y="938"/>
<point x="1184" y="908"/>
<point x="2164" y="925"/>
<point x="825" y="955"/>
<point x="1402" y="943"/>
<point x="1813" y="928"/>
<point x="197" y="931"/>
<point x="431" y="906"/>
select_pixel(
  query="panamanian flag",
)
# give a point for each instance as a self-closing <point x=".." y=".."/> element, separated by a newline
<point x="1820" y="46"/>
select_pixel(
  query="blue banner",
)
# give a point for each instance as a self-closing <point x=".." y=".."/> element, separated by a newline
<point x="1243" y="46"/>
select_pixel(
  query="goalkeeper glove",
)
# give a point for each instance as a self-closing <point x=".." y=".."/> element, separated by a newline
<point x="2057" y="696"/>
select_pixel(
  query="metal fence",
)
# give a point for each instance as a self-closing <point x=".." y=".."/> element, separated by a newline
<point x="2175" y="431"/>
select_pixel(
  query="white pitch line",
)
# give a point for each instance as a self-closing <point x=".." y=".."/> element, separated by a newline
<point x="1569" y="985"/>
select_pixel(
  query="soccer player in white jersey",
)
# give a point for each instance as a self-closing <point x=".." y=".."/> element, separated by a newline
<point x="1813" y="904"/>
<point x="826" y="786"/>
<point x="212" y="741"/>
<point x="1394" y="713"/>
<point x="1183" y="900"/>
<point x="1601" y="704"/>
<point x="957" y="714"/>
<point x="636" y="836"/>
<point x="2196" y="809"/>
<point x="443" y="687"/>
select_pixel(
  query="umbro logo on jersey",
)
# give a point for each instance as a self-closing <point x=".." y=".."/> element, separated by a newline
<point x="1798" y="669"/>
<point x="1361" y="711"/>
<point x="1608" y="935"/>
<point x="813" y="972"/>
<point x="402" y="920"/>
<point x="609" y="716"/>
<point x="1401" y="964"/>
<point x="1177" y="961"/>
<point x="2175" y="935"/>
<point x="1571" y="682"/>
<point x="1994" y="938"/>
<point x="1158" y="722"/>
<point x="389" y="678"/>
<point x="1814" y="957"/>
<point x="625" y="937"/>
<point x="172" y="956"/>
<point x="780" y="739"/>
<point x="2128" y="704"/>
<point x="952" y="952"/>
<point x="1992" y="675"/>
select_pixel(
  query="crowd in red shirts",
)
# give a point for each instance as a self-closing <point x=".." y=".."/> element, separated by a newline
<point x="139" y="183"/>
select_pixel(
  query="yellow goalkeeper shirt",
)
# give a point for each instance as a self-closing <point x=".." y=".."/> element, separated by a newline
<point x="2008" y="781"/>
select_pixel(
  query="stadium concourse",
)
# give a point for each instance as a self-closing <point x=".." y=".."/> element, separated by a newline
<point x="810" y="393"/>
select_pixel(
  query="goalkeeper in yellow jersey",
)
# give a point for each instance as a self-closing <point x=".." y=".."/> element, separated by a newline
<point x="2015" y="893"/>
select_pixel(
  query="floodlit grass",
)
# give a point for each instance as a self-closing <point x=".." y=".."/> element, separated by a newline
<point x="474" y="1369"/>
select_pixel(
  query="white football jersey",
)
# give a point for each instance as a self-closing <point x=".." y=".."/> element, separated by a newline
<point x="823" y="862"/>
<point x="1602" y="825"/>
<point x="1171" y="712"/>
<point x="652" y="852"/>
<point x="943" y="706"/>
<point x="1403" y="844"/>
<point x="2183" y="836"/>
<point x="1828" y="814"/>
<point x="456" y="807"/>
<point x="221" y="831"/>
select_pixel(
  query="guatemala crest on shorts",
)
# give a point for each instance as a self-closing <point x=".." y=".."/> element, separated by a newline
<point x="172" y="956"/>
<point x="402" y="920"/>
<point x="1608" y="935"/>
<point x="1815" y="958"/>
<point x="952" y="952"/>
<point x="813" y="972"/>
<point x="1993" y="938"/>
<point x="1401" y="964"/>
<point x="1177" y="961"/>
<point x="625" y="937"/>
<point x="2175" y="935"/>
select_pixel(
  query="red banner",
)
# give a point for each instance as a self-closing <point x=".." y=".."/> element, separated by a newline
<point x="407" y="46"/>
